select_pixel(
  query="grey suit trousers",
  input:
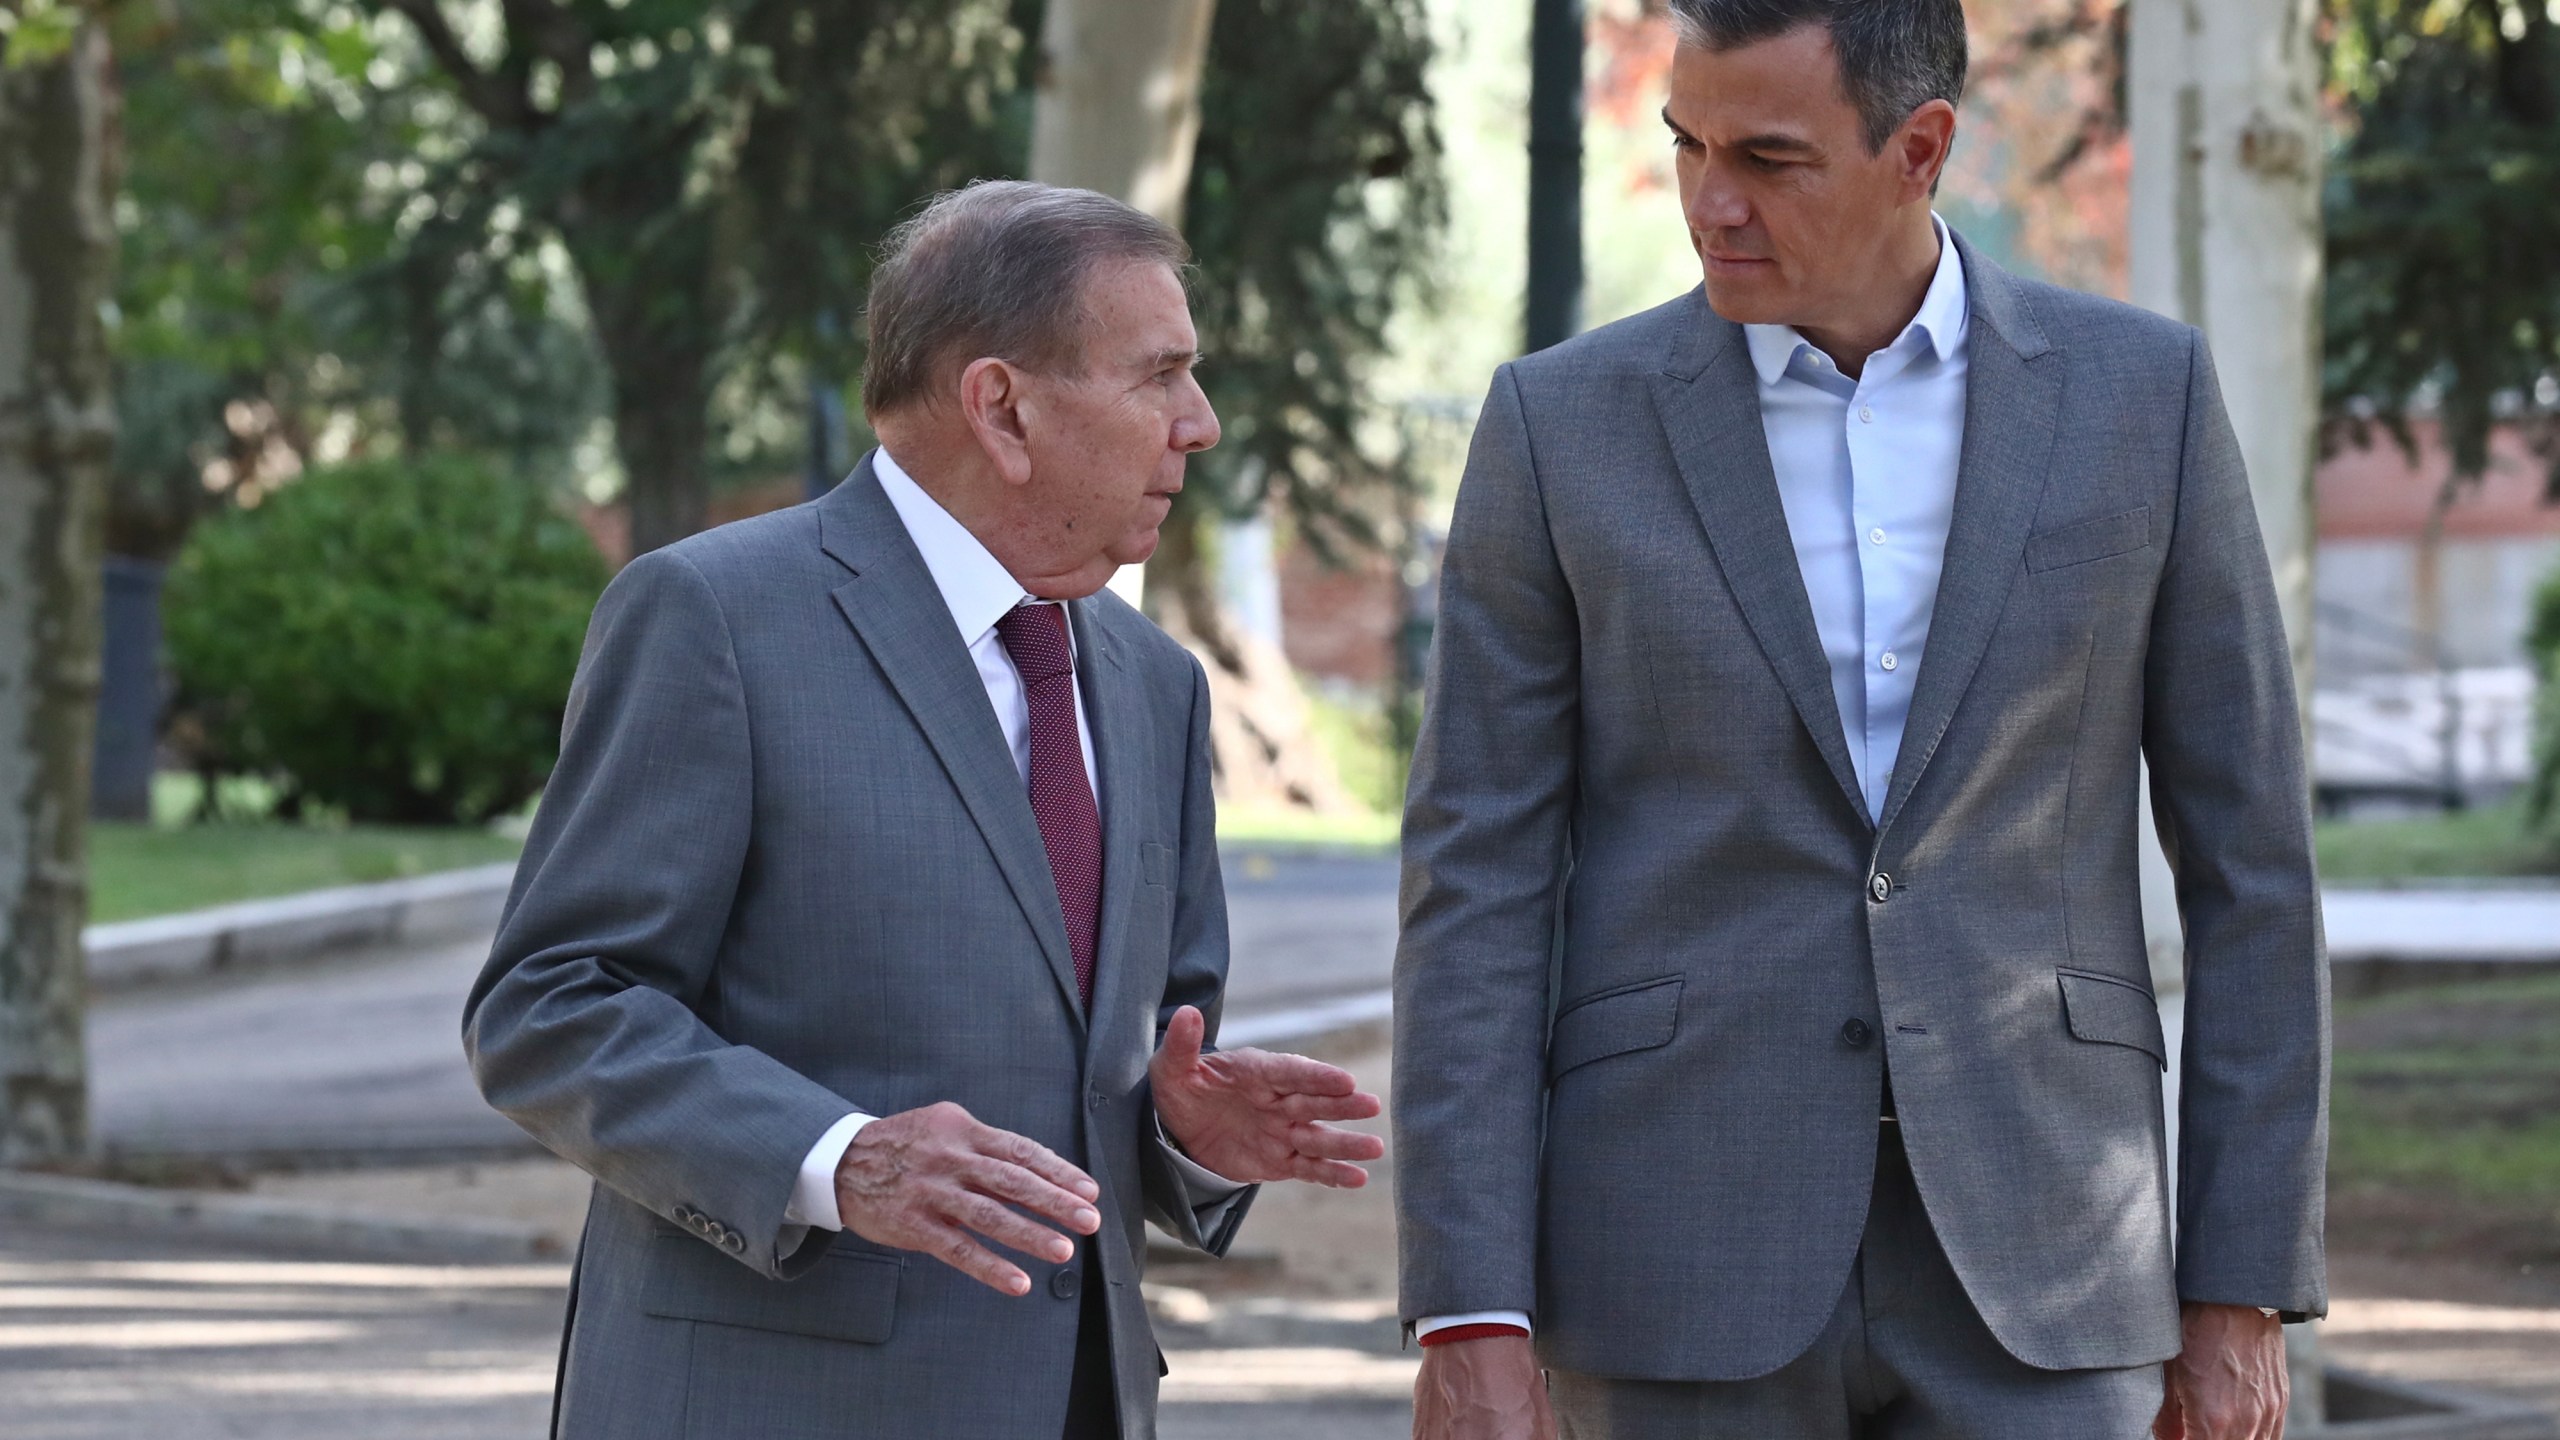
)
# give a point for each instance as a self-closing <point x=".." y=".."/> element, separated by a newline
<point x="1905" y="1356"/>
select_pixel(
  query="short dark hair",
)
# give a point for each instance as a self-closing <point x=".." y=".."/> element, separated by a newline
<point x="996" y="269"/>
<point x="1895" y="55"/>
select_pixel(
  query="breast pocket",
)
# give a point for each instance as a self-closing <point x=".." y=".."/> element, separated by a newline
<point x="2089" y="541"/>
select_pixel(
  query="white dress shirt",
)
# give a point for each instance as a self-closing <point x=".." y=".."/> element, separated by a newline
<point x="978" y="591"/>
<point x="1867" y="474"/>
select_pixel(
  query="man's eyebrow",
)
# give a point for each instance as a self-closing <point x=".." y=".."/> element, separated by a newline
<point x="1784" y="144"/>
<point x="1174" y="355"/>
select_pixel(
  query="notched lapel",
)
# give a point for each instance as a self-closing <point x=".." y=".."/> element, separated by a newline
<point x="899" y="616"/>
<point x="1708" y="402"/>
<point x="2012" y="413"/>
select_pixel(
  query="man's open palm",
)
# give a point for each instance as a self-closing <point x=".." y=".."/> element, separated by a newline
<point x="1251" y="1116"/>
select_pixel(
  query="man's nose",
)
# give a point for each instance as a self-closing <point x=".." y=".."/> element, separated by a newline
<point x="1717" y="204"/>
<point x="1196" y="429"/>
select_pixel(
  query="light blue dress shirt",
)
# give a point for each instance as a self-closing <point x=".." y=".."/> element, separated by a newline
<point x="1867" y="473"/>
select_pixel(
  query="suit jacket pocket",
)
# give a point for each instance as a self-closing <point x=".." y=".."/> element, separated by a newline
<point x="1642" y="1016"/>
<point x="2110" y="1010"/>
<point x="850" y="1294"/>
<point x="2090" y="540"/>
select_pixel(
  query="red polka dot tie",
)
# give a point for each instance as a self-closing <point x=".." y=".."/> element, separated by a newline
<point x="1061" y="794"/>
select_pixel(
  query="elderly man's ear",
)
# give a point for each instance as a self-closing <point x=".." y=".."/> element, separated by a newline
<point x="993" y="397"/>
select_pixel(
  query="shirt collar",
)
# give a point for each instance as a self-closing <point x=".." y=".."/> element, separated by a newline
<point x="974" y="583"/>
<point x="1945" y="319"/>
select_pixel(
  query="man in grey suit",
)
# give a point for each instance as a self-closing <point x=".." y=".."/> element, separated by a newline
<point x="1776" y="1051"/>
<point x="879" y="860"/>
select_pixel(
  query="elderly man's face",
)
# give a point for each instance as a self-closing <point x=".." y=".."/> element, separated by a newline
<point x="1109" y="446"/>
<point x="1791" y="214"/>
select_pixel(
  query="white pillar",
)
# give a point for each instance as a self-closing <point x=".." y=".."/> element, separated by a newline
<point x="2226" y="236"/>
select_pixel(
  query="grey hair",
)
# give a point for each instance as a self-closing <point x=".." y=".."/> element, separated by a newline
<point x="1895" y="55"/>
<point x="996" y="269"/>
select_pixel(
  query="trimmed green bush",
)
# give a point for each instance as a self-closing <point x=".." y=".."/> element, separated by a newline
<point x="394" y="639"/>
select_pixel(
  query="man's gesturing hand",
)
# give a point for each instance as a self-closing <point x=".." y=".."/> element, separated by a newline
<point x="1487" y="1389"/>
<point x="1250" y="1115"/>
<point x="2229" y="1383"/>
<point x="935" y="1180"/>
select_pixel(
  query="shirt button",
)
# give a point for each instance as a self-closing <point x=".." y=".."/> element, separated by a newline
<point x="1876" y="535"/>
<point x="1880" y="889"/>
<point x="1867" y="415"/>
<point x="1891" y="661"/>
<point x="1857" y="1033"/>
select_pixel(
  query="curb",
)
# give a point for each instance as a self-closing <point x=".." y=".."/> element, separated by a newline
<point x="288" y="927"/>
<point x="63" y="1200"/>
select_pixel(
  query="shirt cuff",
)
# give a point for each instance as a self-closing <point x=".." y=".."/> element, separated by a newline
<point x="1206" y="1186"/>
<point x="1423" y="1328"/>
<point x="813" y="1195"/>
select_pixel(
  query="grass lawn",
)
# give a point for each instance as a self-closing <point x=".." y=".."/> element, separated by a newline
<point x="2491" y="843"/>
<point x="2445" y="1121"/>
<point x="137" y="870"/>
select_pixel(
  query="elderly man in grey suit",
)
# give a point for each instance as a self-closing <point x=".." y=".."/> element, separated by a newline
<point x="881" y="807"/>
<point x="1776" y="1051"/>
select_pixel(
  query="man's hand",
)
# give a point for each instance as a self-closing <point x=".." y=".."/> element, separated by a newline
<point x="2229" y="1383"/>
<point x="935" y="1180"/>
<point x="1487" y="1389"/>
<point x="1250" y="1115"/>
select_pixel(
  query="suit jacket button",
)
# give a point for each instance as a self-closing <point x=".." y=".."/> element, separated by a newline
<point x="1097" y="1100"/>
<point x="734" y="1243"/>
<point x="1064" y="1284"/>
<point x="1880" y="889"/>
<point x="1857" y="1033"/>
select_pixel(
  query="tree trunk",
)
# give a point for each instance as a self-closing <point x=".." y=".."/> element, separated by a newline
<point x="1119" y="111"/>
<point x="2225" y="98"/>
<point x="1118" y="108"/>
<point x="651" y="272"/>
<point x="58" y="142"/>
<point x="661" y="432"/>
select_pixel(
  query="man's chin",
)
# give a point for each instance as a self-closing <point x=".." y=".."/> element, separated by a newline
<point x="1745" y="302"/>
<point x="1137" y="549"/>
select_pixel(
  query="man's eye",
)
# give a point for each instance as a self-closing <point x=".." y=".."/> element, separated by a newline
<point x="1768" y="162"/>
<point x="1683" y="143"/>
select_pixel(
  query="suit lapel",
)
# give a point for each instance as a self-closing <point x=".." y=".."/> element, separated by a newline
<point x="1708" y="400"/>
<point x="1115" y="710"/>
<point x="2011" y="413"/>
<point x="895" y="608"/>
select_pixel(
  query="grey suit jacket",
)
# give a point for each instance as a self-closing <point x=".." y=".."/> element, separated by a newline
<point x="786" y="868"/>
<point x="1643" y="900"/>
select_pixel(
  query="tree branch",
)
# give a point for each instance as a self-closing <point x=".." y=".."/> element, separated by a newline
<point x="505" y="106"/>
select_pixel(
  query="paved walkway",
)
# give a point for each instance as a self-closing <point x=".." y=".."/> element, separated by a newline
<point x="363" y="1055"/>
<point x="112" y="1336"/>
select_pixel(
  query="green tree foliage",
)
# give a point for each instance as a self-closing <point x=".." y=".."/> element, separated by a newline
<point x="2443" y="215"/>
<point x="487" y="224"/>
<point x="1315" y="197"/>
<point x="715" y="171"/>
<point x="389" y="638"/>
<point x="286" y="287"/>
